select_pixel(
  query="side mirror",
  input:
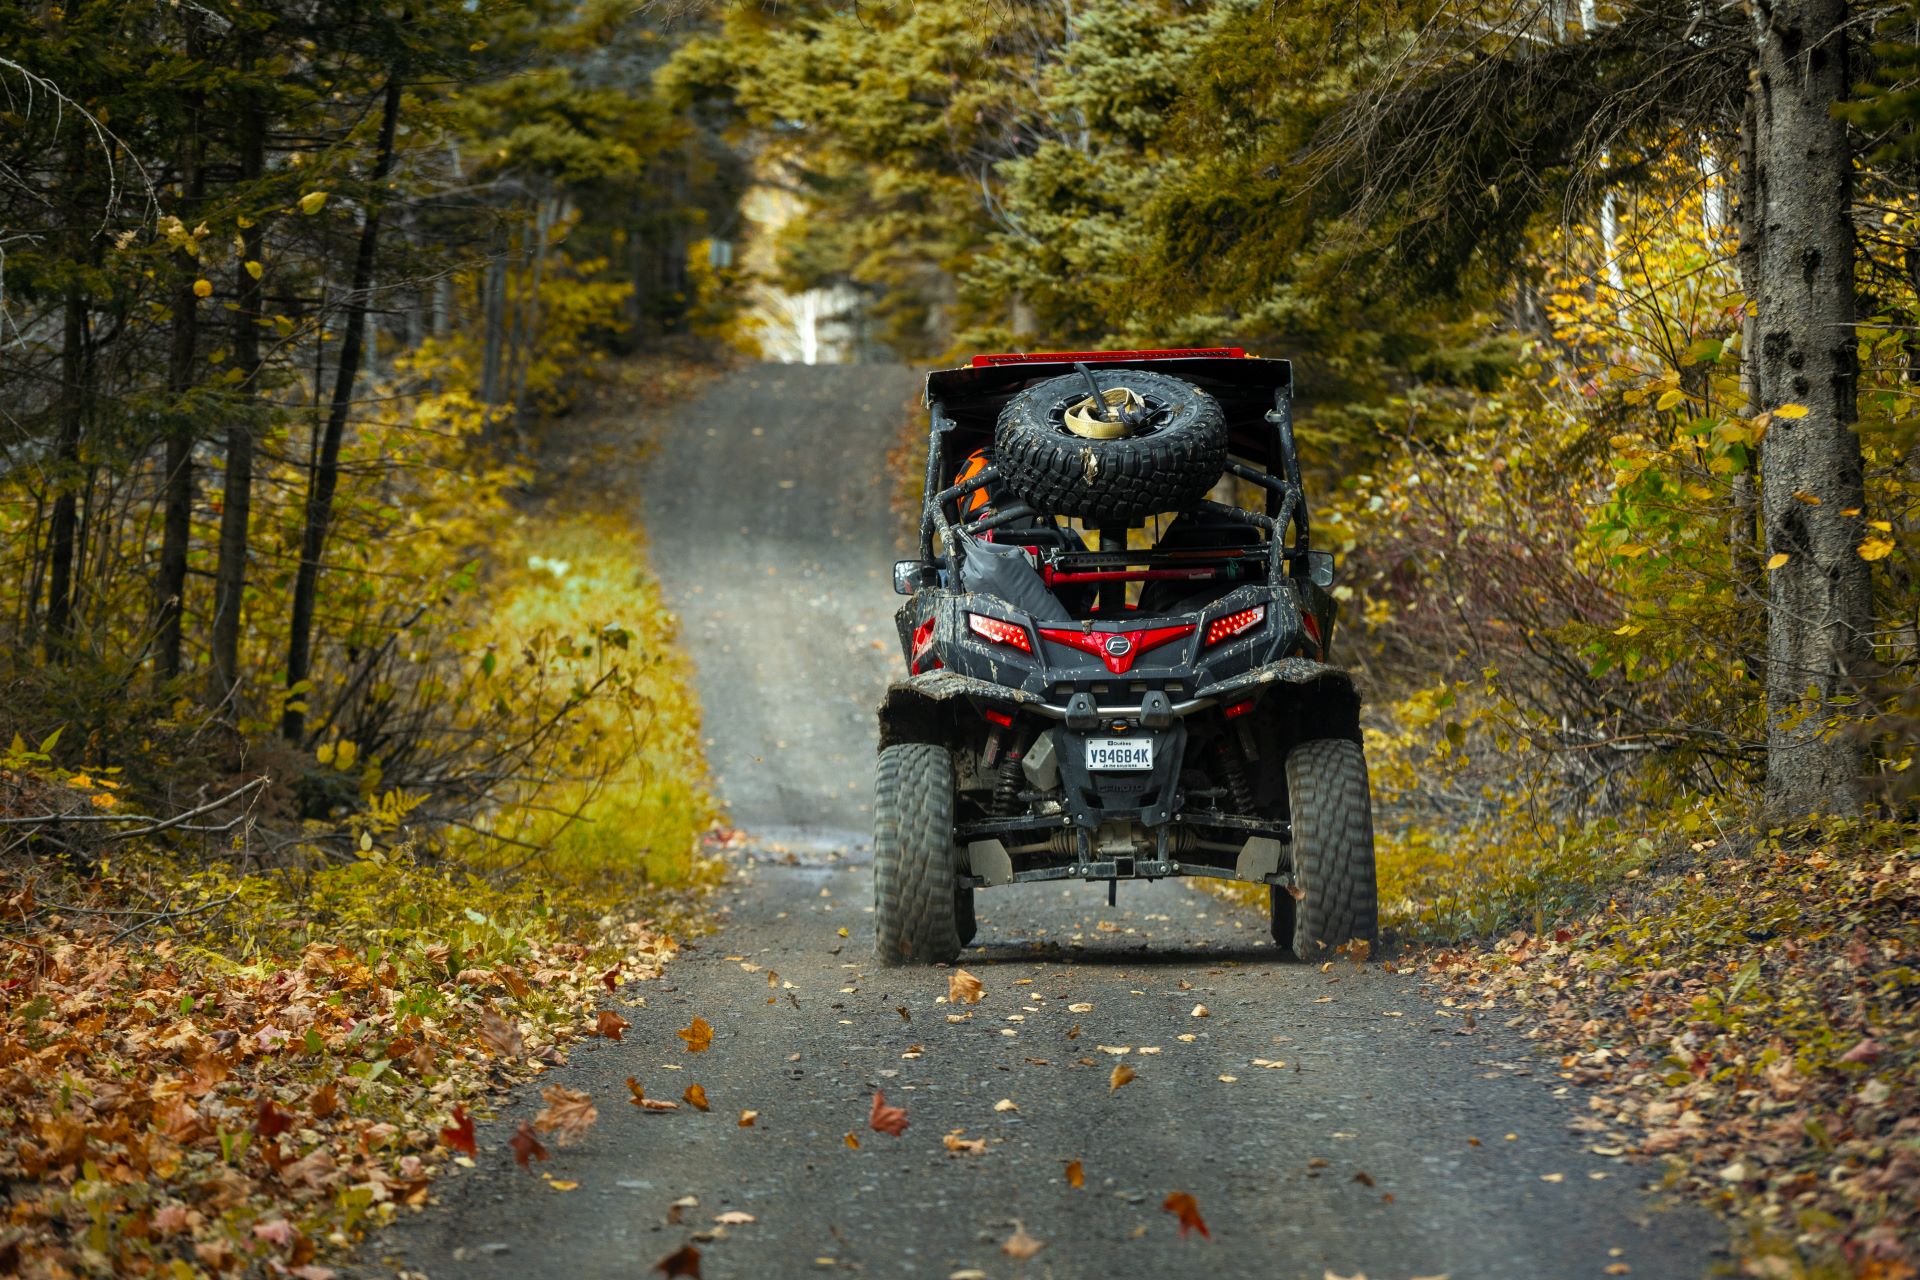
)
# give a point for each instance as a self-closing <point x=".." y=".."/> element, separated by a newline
<point x="910" y="576"/>
<point x="1320" y="567"/>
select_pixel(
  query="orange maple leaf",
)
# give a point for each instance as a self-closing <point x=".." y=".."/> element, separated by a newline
<point x="270" y="1121"/>
<point x="698" y="1036"/>
<point x="683" y="1262"/>
<point x="695" y="1097"/>
<point x="610" y="1025"/>
<point x="1187" y="1209"/>
<point x="886" y="1119"/>
<point x="460" y="1136"/>
<point x="963" y="988"/>
<point x="568" y="1114"/>
<point x="525" y="1146"/>
<point x="640" y="1098"/>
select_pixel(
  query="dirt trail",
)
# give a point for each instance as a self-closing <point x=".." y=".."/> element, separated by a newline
<point x="1390" y="1140"/>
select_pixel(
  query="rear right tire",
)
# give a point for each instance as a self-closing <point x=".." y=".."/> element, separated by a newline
<point x="916" y="904"/>
<point x="1332" y="816"/>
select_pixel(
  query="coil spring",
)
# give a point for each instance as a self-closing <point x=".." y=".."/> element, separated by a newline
<point x="1233" y="772"/>
<point x="1006" y="787"/>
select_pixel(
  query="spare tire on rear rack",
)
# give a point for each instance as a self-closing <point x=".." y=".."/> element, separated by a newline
<point x="1174" y="452"/>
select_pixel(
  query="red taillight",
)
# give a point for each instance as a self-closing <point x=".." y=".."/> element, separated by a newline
<point x="1234" y="624"/>
<point x="1001" y="718"/>
<point x="1010" y="634"/>
<point x="1239" y="709"/>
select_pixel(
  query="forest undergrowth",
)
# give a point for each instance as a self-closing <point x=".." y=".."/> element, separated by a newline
<point x="219" y="1057"/>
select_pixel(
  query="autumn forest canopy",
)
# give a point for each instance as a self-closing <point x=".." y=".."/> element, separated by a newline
<point x="1606" y="323"/>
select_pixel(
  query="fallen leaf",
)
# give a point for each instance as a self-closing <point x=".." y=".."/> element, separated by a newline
<point x="964" y="1146"/>
<point x="1363" y="1179"/>
<point x="1006" y="1104"/>
<point x="269" y="1121"/>
<point x="853" y="1143"/>
<point x="1121" y="1074"/>
<point x="1021" y="1246"/>
<point x="611" y="979"/>
<point x="1082" y="1007"/>
<point x="1553" y="1177"/>
<point x="525" y="1146"/>
<point x="885" y="1119"/>
<point x="640" y="1098"/>
<point x="1076" y="1175"/>
<point x="1187" y="1209"/>
<point x="1868" y="1051"/>
<point x="567" y="1116"/>
<point x="684" y="1261"/>
<point x="902" y="1011"/>
<point x="677" y="1210"/>
<point x="695" y="1097"/>
<point x="561" y="1184"/>
<point x="963" y="988"/>
<point x="460" y="1136"/>
<point x="323" y="1102"/>
<point x="698" y="1036"/>
<point x="747" y="1118"/>
<point x="1200" y="1011"/>
<point x="734" y="1218"/>
<point x="500" y="1037"/>
<point x="610" y="1025"/>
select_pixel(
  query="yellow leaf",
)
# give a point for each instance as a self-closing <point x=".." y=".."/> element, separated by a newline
<point x="476" y="46"/>
<point x="254" y="269"/>
<point x="1876" y="548"/>
<point x="1790" y="411"/>
<point x="853" y="1143"/>
<point x="203" y="288"/>
<point x="1669" y="399"/>
<point x="559" y="1184"/>
<point x="312" y="201"/>
<point x="1778" y="558"/>
<point x="1121" y="1074"/>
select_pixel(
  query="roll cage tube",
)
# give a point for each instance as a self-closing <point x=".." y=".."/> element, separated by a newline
<point x="1286" y="496"/>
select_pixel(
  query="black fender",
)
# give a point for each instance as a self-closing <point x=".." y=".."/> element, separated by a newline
<point x="924" y="708"/>
<point x="1302" y="699"/>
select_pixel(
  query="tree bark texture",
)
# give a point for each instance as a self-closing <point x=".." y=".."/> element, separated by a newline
<point x="326" y="465"/>
<point x="1819" y="602"/>
<point x="230" y="574"/>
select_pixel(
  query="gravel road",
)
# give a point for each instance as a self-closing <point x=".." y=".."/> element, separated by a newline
<point x="1334" y="1120"/>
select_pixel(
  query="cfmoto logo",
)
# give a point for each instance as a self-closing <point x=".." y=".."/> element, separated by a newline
<point x="1119" y="646"/>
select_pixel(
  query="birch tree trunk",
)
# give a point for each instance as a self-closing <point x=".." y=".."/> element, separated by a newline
<point x="1819" y="603"/>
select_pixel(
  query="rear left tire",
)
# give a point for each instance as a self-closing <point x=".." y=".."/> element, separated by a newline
<point x="916" y="904"/>
<point x="1332" y="846"/>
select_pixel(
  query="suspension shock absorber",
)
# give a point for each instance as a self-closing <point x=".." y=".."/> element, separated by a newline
<point x="1233" y="773"/>
<point x="1008" y="781"/>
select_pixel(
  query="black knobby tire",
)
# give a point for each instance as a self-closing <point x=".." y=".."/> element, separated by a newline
<point x="1166" y="467"/>
<point x="1332" y="846"/>
<point x="914" y="907"/>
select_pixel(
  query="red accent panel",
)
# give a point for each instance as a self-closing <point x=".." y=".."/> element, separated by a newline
<point x="1095" y="643"/>
<point x="1001" y="718"/>
<point x="922" y="641"/>
<point x="1092" y="357"/>
<point x="1312" y="625"/>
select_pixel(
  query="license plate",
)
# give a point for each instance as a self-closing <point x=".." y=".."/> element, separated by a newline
<point x="1114" y="755"/>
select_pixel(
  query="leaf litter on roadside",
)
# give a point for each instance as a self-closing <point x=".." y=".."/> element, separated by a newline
<point x="1184" y="1207"/>
<point x="698" y="1035"/>
<point x="963" y="988"/>
<point x="1020" y="1246"/>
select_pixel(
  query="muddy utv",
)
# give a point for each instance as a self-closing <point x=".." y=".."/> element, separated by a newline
<point x="1117" y="647"/>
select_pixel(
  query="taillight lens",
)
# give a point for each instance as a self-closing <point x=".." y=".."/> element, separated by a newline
<point x="1000" y="632"/>
<point x="922" y="642"/>
<point x="1234" y="624"/>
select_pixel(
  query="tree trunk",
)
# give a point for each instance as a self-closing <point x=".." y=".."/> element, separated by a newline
<point x="1819" y="601"/>
<point x="326" y="466"/>
<point x="66" y="465"/>
<point x="230" y="575"/>
<point x="170" y="588"/>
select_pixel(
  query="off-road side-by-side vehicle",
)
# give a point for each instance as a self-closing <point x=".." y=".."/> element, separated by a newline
<point x="1157" y="703"/>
